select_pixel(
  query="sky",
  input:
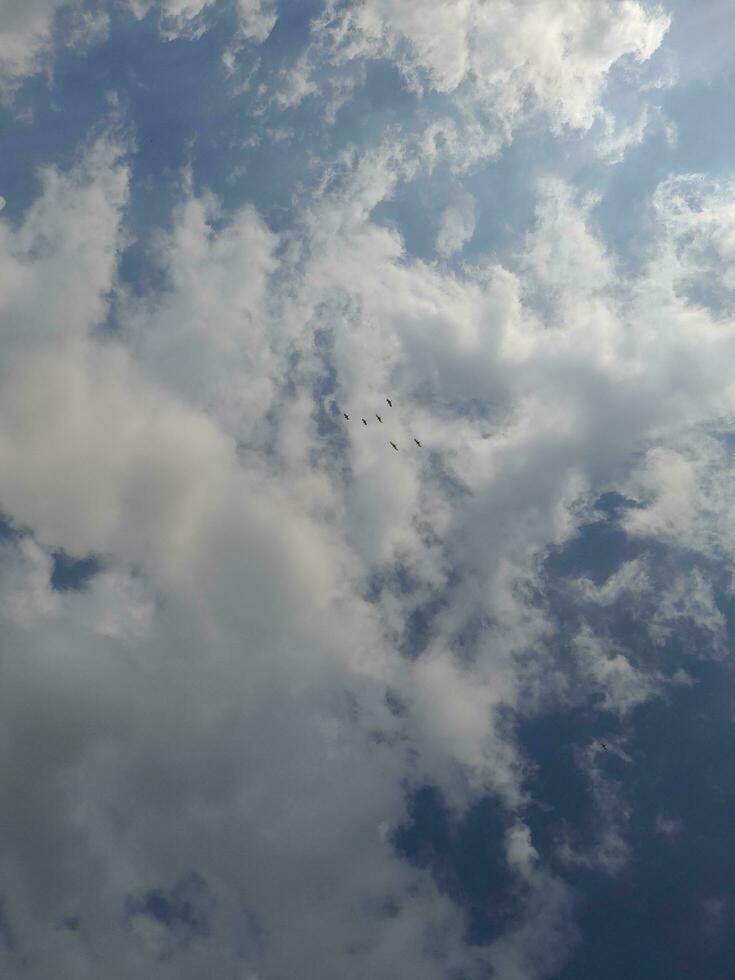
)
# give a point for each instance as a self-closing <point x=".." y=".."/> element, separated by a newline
<point x="278" y="700"/>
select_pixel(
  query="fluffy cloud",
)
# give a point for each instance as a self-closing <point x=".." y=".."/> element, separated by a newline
<point x="495" y="65"/>
<point x="154" y="485"/>
<point x="565" y="48"/>
<point x="684" y="494"/>
<point x="27" y="35"/>
<point x="210" y="748"/>
<point x="208" y="337"/>
<point x="457" y="226"/>
<point x="222" y="674"/>
<point x="610" y="673"/>
<point x="25" y="31"/>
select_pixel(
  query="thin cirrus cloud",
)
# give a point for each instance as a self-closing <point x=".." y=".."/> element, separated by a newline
<point x="214" y="743"/>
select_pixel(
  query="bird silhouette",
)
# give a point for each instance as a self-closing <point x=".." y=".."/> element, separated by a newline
<point x="379" y="419"/>
<point x="346" y="416"/>
<point x="604" y="746"/>
<point x="364" y="422"/>
<point x="417" y="442"/>
<point x="394" y="446"/>
<point x="389" y="402"/>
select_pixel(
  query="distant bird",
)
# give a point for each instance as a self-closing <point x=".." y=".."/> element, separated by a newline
<point x="346" y="416"/>
<point x="394" y="446"/>
<point x="389" y="402"/>
<point x="364" y="422"/>
<point x="604" y="746"/>
<point x="379" y="419"/>
<point x="417" y="442"/>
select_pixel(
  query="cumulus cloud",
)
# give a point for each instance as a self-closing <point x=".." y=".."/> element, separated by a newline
<point x="154" y="485"/>
<point x="560" y="44"/>
<point x="496" y="64"/>
<point x="293" y="627"/>
<point x="684" y="496"/>
<point x="207" y="337"/>
<point x="223" y="629"/>
<point x="540" y="442"/>
<point x="395" y="326"/>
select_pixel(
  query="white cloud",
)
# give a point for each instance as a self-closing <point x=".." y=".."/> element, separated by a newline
<point x="684" y="490"/>
<point x="456" y="711"/>
<point x="672" y="600"/>
<point x="186" y="17"/>
<point x="207" y="337"/>
<point x="631" y="579"/>
<point x="563" y="49"/>
<point x="576" y="366"/>
<point x="617" y="140"/>
<point x="227" y="701"/>
<point x="539" y="945"/>
<point x="257" y="18"/>
<point x="499" y="62"/>
<point x="608" y="850"/>
<point x="56" y="270"/>
<point x="610" y="673"/>
<point x="217" y="698"/>
<point x="87" y="28"/>
<point x="690" y="599"/>
<point x="25" y="32"/>
<point x="27" y="594"/>
<point x="457" y="226"/>
<point x="27" y="41"/>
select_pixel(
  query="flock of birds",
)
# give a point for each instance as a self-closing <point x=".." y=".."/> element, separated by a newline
<point x="364" y="422"/>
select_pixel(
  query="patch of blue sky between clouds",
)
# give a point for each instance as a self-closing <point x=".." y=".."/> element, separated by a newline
<point x="72" y="573"/>
<point x="179" y="107"/>
<point x="669" y="785"/>
<point x="67" y="572"/>
<point x="182" y="911"/>
<point x="454" y="850"/>
<point x="669" y="763"/>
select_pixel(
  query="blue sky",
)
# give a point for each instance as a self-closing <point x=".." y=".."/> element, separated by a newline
<point x="276" y="699"/>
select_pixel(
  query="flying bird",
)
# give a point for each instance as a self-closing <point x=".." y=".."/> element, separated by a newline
<point x="379" y="419"/>
<point x="389" y="402"/>
<point x="364" y="422"/>
<point x="346" y="416"/>
<point x="417" y="442"/>
<point x="604" y="746"/>
<point x="394" y="446"/>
